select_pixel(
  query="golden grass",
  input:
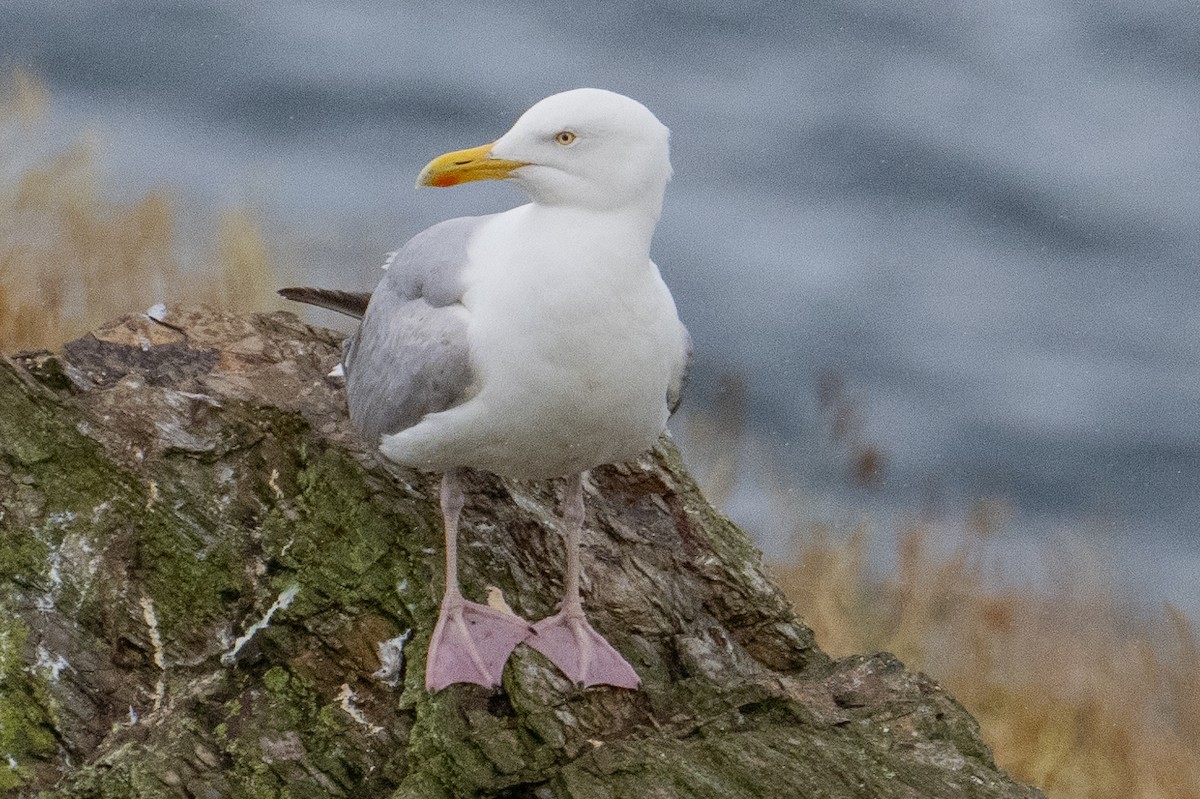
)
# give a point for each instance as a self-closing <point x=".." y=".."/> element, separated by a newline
<point x="1076" y="693"/>
<point x="70" y="259"/>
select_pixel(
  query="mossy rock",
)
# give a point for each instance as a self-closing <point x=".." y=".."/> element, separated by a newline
<point x="210" y="588"/>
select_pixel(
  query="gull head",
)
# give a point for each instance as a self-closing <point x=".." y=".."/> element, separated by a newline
<point x="587" y="148"/>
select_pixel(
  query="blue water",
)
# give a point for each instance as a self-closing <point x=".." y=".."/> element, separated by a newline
<point x="982" y="216"/>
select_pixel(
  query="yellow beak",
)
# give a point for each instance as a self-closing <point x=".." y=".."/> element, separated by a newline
<point x="463" y="166"/>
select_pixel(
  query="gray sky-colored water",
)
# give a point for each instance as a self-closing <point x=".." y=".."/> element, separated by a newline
<point x="983" y="216"/>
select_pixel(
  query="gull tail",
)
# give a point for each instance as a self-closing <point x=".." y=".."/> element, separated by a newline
<point x="350" y="303"/>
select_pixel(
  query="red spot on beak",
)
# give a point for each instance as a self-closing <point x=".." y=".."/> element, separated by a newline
<point x="442" y="181"/>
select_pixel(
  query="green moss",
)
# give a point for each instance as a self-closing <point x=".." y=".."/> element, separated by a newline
<point x="23" y="559"/>
<point x="190" y="562"/>
<point x="267" y="731"/>
<point x="276" y="680"/>
<point x="36" y="436"/>
<point x="55" y="484"/>
<point x="26" y="722"/>
<point x="24" y="424"/>
<point x="347" y="548"/>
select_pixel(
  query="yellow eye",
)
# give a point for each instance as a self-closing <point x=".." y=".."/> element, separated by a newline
<point x="565" y="137"/>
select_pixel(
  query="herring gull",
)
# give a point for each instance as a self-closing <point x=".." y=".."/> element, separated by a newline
<point x="534" y="343"/>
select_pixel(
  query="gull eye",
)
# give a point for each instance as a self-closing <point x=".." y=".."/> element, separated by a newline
<point x="565" y="137"/>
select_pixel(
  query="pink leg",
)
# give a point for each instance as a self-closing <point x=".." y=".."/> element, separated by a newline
<point x="567" y="638"/>
<point x="471" y="642"/>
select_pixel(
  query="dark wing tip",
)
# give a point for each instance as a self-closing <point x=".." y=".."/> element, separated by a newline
<point x="350" y="303"/>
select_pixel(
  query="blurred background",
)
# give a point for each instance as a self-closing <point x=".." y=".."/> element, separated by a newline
<point x="967" y="230"/>
<point x="939" y="258"/>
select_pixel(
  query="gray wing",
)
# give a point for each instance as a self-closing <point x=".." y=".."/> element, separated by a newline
<point x="679" y="379"/>
<point x="410" y="356"/>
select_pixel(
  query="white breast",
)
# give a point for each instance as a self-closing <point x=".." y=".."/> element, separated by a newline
<point x="574" y="338"/>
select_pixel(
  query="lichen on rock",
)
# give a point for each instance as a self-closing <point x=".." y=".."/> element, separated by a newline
<point x="209" y="587"/>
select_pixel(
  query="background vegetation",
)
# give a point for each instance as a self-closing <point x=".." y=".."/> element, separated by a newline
<point x="1082" y="693"/>
<point x="1076" y="692"/>
<point x="71" y="259"/>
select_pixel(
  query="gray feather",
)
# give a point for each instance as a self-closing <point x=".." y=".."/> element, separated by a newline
<point x="430" y="265"/>
<point x="410" y="356"/>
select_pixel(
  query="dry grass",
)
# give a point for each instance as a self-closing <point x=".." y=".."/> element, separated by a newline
<point x="1076" y="693"/>
<point x="71" y="259"/>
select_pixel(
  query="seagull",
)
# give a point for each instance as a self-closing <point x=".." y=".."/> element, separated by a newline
<point x="535" y="343"/>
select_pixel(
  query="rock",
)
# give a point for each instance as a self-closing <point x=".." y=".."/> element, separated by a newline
<point x="210" y="587"/>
